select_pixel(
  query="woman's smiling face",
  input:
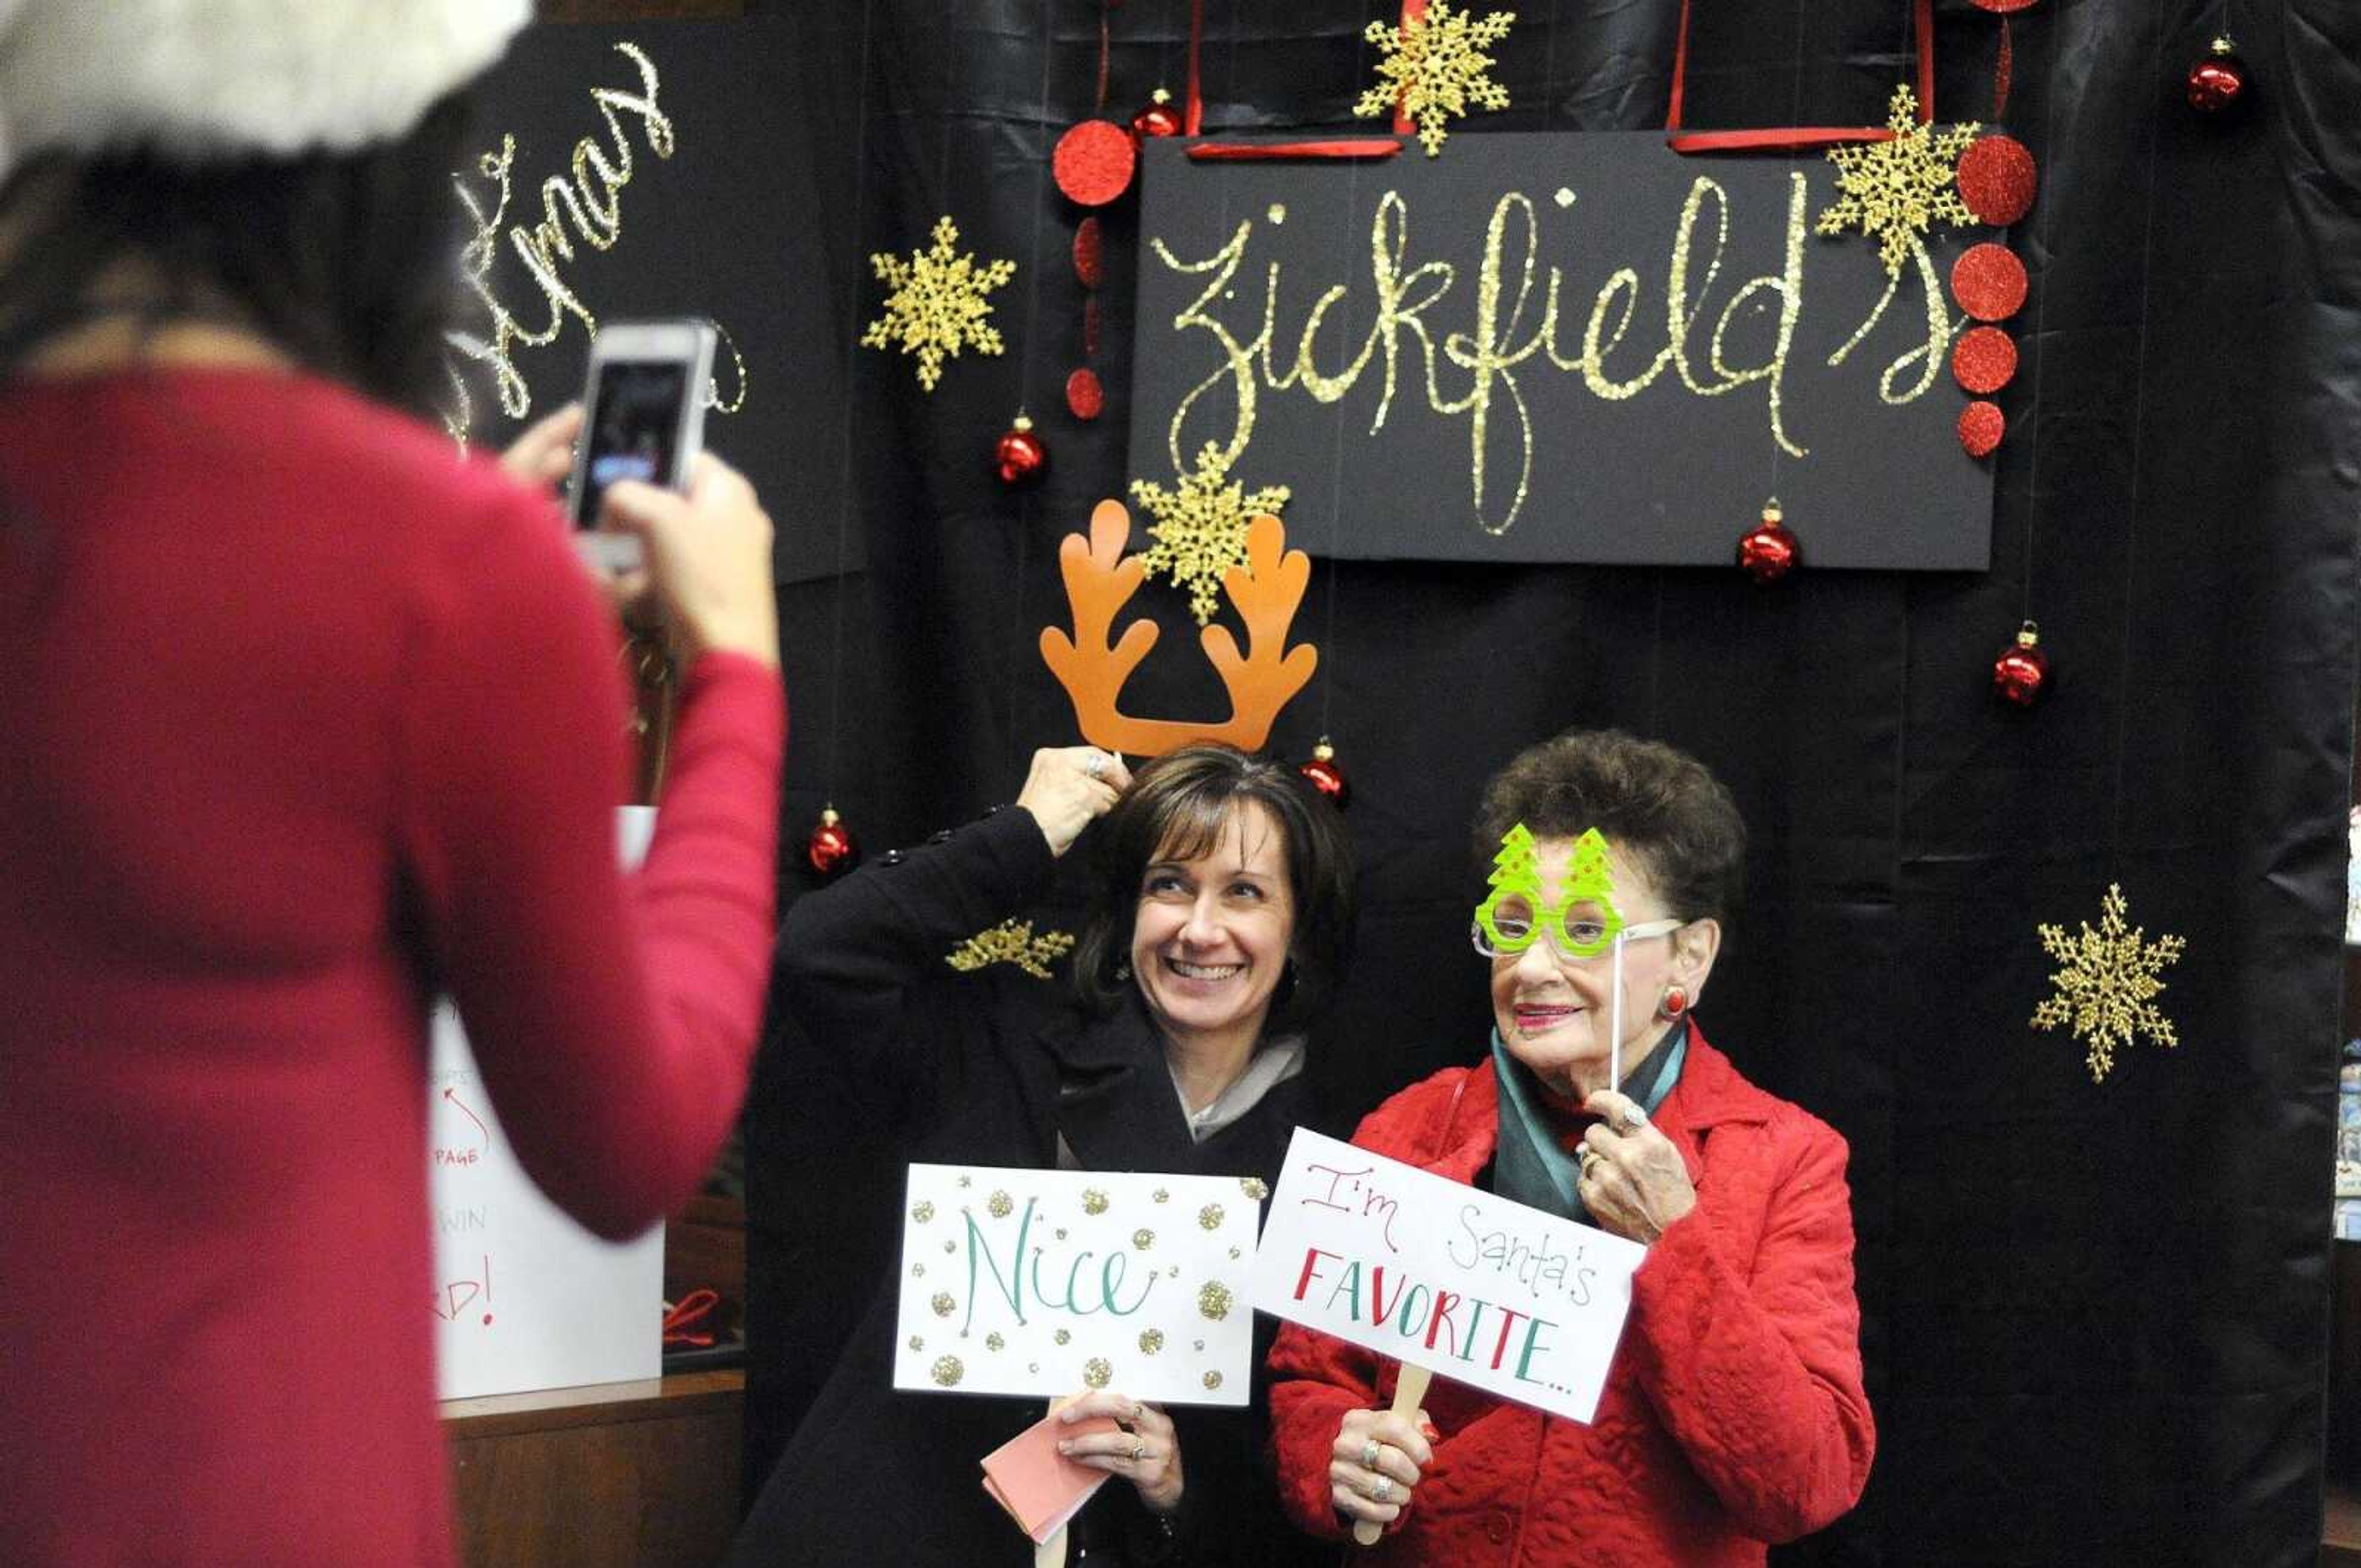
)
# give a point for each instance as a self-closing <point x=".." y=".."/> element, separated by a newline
<point x="1554" y="1011"/>
<point x="1212" y="932"/>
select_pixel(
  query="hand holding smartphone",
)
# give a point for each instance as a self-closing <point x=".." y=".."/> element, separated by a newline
<point x="643" y="418"/>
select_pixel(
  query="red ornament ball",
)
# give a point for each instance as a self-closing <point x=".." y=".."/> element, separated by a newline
<point x="2217" y="83"/>
<point x="1159" y="119"/>
<point x="1989" y="282"/>
<point x="1089" y="260"/>
<point x="1770" y="550"/>
<point x="1981" y="425"/>
<point x="1084" y="396"/>
<point x="2021" y="673"/>
<point x="1325" y="775"/>
<point x="1983" y="359"/>
<point x="1094" y="162"/>
<point x="1020" y="457"/>
<point x="831" y="849"/>
<point x="2002" y="7"/>
<point x="1997" y="180"/>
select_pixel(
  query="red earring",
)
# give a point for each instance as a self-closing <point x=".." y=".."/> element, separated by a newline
<point x="1676" y="1002"/>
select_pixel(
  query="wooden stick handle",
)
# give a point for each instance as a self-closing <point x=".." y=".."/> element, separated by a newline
<point x="1409" y="1393"/>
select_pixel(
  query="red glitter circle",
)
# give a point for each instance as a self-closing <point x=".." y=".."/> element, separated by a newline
<point x="1997" y="180"/>
<point x="1087" y="260"/>
<point x="1984" y="359"/>
<point x="1084" y="396"/>
<point x="1981" y="425"/>
<point x="1091" y="327"/>
<point x="1989" y="282"/>
<point x="2002" y="7"/>
<point x="1094" y="162"/>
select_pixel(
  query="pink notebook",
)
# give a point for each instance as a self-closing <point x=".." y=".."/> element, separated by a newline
<point x="1041" y="1488"/>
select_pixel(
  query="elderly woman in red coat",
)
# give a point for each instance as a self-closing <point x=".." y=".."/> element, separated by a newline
<point x="1733" y="1415"/>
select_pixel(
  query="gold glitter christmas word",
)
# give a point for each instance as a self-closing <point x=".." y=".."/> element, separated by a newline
<point x="1433" y="66"/>
<point x="1895" y="189"/>
<point x="938" y="305"/>
<point x="1012" y="942"/>
<point x="1201" y="528"/>
<point x="2107" y="984"/>
<point x="589" y="207"/>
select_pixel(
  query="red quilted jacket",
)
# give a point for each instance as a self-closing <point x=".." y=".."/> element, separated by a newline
<point x="1734" y="1414"/>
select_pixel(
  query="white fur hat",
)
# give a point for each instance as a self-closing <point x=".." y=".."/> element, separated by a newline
<point x="202" y="79"/>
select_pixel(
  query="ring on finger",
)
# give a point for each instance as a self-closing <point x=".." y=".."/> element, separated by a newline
<point x="1096" y="765"/>
<point x="1634" y="1118"/>
<point x="1381" y="1489"/>
<point x="1139" y="1452"/>
<point x="1370" y="1455"/>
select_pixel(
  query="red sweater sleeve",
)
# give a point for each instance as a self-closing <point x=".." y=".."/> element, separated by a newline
<point x="1753" y="1361"/>
<point x="613" y="1019"/>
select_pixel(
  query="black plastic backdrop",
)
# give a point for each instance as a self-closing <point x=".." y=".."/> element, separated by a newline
<point x="2094" y="1315"/>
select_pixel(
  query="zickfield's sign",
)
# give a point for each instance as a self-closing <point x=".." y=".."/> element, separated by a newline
<point x="1420" y="1270"/>
<point x="1577" y="347"/>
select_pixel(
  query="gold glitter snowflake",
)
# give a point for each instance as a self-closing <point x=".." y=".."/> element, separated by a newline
<point x="1254" y="1187"/>
<point x="2108" y="983"/>
<point x="1001" y="1206"/>
<point x="943" y="1304"/>
<point x="1210" y="1217"/>
<point x="1213" y="1300"/>
<point x="1433" y="66"/>
<point x="922" y="1213"/>
<point x="947" y="1371"/>
<point x="1211" y="1380"/>
<point x="1143" y="1239"/>
<point x="1012" y="942"/>
<point x="1895" y="189"/>
<point x="993" y="1341"/>
<point x="1097" y="1372"/>
<point x="938" y="305"/>
<point x="1201" y="528"/>
<point x="1093" y="1201"/>
<point x="1151" y="1341"/>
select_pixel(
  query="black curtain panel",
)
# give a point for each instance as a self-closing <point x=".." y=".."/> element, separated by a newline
<point x="2095" y="1314"/>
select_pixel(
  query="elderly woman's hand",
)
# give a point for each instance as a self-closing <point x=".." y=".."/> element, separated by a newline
<point x="1144" y="1449"/>
<point x="1376" y="1459"/>
<point x="1069" y="787"/>
<point x="1634" y="1181"/>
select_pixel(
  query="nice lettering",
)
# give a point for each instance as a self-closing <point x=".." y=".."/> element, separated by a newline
<point x="1068" y="1286"/>
<point x="1447" y="1323"/>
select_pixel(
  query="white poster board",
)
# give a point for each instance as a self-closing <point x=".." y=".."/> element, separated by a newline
<point x="524" y="1297"/>
<point x="1517" y="1302"/>
<point x="1049" y="1282"/>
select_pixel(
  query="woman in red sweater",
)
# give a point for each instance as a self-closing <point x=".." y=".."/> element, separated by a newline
<point x="307" y="722"/>
<point x="1733" y="1414"/>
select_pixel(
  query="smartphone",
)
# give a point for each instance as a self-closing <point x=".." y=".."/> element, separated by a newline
<point x="644" y="418"/>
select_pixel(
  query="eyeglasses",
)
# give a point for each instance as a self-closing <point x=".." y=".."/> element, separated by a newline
<point x="1507" y="926"/>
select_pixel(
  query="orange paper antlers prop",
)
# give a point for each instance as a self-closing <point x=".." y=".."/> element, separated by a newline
<point x="1267" y="590"/>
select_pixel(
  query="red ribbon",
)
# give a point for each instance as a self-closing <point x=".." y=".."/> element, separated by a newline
<point x="1192" y="112"/>
<point x="680" y="1322"/>
<point x="1922" y="23"/>
<point x="1258" y="152"/>
<point x="1412" y="11"/>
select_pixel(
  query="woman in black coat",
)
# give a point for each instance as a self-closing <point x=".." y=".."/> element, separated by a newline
<point x="1220" y="917"/>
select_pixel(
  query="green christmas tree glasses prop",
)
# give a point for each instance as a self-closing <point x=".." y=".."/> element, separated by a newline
<point x="1582" y="924"/>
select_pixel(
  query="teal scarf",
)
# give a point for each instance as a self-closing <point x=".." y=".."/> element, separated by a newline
<point x="1527" y="1166"/>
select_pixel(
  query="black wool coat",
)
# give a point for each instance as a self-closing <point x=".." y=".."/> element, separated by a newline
<point x="992" y="1067"/>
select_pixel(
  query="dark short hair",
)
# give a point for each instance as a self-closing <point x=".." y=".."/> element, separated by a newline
<point x="1656" y="804"/>
<point x="347" y="261"/>
<point x="1179" y="805"/>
